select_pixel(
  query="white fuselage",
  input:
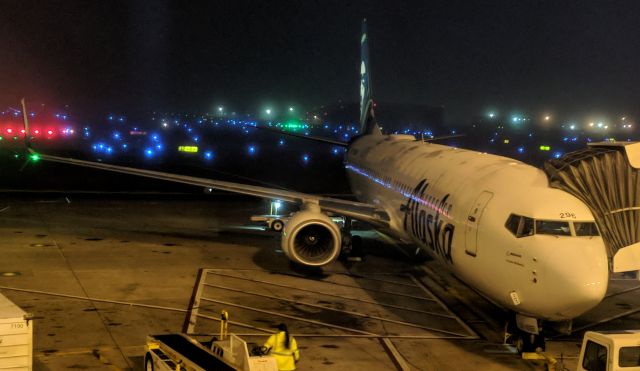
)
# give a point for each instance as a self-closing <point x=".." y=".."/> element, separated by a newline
<point x="455" y="204"/>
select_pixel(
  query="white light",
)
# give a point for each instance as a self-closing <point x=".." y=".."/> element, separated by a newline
<point x="220" y="109"/>
<point x="290" y="109"/>
<point x="276" y="206"/>
<point x="572" y="127"/>
<point x="268" y="111"/>
<point x="492" y="115"/>
<point x="547" y="118"/>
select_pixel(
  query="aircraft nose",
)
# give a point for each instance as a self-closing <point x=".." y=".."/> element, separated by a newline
<point x="585" y="288"/>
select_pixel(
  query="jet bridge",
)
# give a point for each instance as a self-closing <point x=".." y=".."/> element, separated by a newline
<point x="606" y="177"/>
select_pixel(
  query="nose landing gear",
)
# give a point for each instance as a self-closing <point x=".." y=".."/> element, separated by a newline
<point x="524" y="340"/>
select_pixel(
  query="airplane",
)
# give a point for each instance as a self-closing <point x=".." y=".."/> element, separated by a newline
<point x="495" y="222"/>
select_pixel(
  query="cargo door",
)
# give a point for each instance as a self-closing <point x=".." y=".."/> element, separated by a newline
<point x="473" y="220"/>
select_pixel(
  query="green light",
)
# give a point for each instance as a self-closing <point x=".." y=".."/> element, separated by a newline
<point x="34" y="157"/>
<point x="16" y="156"/>
<point x="545" y="148"/>
<point x="293" y="125"/>
<point x="1" y="138"/>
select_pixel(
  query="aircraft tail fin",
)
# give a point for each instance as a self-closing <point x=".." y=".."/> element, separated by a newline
<point x="368" y="124"/>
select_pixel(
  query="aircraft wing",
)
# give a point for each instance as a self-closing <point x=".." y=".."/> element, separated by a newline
<point x="356" y="210"/>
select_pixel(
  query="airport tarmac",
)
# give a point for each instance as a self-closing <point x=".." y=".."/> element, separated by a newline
<point x="100" y="272"/>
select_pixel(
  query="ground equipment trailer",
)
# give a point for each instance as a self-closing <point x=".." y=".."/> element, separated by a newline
<point x="172" y="352"/>
<point x="16" y="337"/>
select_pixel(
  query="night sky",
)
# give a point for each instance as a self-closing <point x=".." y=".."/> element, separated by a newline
<point x="570" y="58"/>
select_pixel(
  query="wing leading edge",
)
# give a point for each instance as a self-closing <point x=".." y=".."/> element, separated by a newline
<point x="356" y="210"/>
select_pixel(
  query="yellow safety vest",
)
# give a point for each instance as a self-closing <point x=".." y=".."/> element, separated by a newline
<point x="285" y="357"/>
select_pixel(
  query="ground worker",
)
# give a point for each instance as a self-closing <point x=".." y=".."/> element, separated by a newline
<point x="284" y="347"/>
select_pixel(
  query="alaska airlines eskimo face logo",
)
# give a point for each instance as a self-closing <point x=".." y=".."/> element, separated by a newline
<point x="426" y="227"/>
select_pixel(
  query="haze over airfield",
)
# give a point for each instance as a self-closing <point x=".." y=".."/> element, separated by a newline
<point x="576" y="57"/>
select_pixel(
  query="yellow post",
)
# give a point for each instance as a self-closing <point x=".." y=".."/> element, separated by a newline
<point x="224" y="320"/>
<point x="541" y="356"/>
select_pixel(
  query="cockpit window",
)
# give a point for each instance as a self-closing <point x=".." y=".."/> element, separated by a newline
<point x="513" y="223"/>
<point x="520" y="226"/>
<point x="552" y="227"/>
<point x="585" y="229"/>
<point x="527" y="227"/>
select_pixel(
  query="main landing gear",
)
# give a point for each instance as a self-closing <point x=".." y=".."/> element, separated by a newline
<point x="352" y="248"/>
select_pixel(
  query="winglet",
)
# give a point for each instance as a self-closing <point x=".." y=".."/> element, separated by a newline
<point x="368" y="124"/>
<point x="25" y="120"/>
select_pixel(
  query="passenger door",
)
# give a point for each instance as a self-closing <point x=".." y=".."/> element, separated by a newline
<point x="473" y="220"/>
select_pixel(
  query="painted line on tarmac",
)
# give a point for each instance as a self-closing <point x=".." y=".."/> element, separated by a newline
<point x="348" y="312"/>
<point x="332" y="295"/>
<point x="287" y="316"/>
<point x="151" y="306"/>
<point x="395" y="355"/>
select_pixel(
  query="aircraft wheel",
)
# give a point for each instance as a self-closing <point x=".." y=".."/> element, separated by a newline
<point x="538" y="342"/>
<point x="346" y="244"/>
<point x="277" y="225"/>
<point x="148" y="363"/>
<point x="525" y="342"/>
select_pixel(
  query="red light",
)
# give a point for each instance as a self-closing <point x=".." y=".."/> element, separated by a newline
<point x="22" y="131"/>
<point x="36" y="131"/>
<point x="9" y="130"/>
<point x="50" y="132"/>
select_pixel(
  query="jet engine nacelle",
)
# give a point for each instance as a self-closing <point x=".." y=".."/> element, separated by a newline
<point x="311" y="238"/>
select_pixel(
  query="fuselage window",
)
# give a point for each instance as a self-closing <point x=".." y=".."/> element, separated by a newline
<point x="586" y="229"/>
<point x="552" y="227"/>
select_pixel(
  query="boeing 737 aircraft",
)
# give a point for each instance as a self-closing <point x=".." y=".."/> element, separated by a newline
<point x="494" y="221"/>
